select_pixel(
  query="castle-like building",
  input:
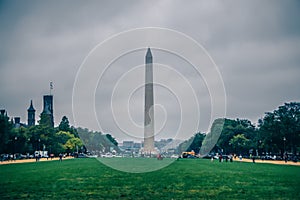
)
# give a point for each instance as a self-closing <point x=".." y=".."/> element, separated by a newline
<point x="47" y="110"/>
<point x="30" y="115"/>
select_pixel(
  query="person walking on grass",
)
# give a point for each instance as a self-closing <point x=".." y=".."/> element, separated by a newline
<point x="253" y="159"/>
<point x="285" y="157"/>
<point x="60" y="157"/>
<point x="220" y="158"/>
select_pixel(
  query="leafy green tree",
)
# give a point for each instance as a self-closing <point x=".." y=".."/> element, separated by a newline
<point x="240" y="144"/>
<point x="110" y="143"/>
<point x="45" y="120"/>
<point x="18" y="140"/>
<point x="194" y="143"/>
<point x="63" y="136"/>
<point x="41" y="137"/>
<point x="72" y="144"/>
<point x="68" y="142"/>
<point x="64" y="124"/>
<point x="5" y="128"/>
<point x="212" y="137"/>
<point x="93" y="141"/>
<point x="223" y="130"/>
<point x="96" y="141"/>
<point x="233" y="128"/>
<point x="280" y="130"/>
<point x="112" y="139"/>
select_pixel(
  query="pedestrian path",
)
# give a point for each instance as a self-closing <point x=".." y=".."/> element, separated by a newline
<point x="277" y="162"/>
<point x="30" y="160"/>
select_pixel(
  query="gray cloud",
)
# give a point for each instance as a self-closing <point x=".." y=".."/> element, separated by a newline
<point x="254" y="43"/>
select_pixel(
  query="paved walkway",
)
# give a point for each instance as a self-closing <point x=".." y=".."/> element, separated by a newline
<point x="278" y="162"/>
<point x="30" y="160"/>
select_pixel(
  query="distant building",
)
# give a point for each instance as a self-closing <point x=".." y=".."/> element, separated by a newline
<point x="128" y="144"/>
<point x="3" y="112"/>
<point x="17" y="122"/>
<point x="137" y="145"/>
<point x="48" y="108"/>
<point x="48" y="111"/>
<point x="130" y="147"/>
<point x="31" y="115"/>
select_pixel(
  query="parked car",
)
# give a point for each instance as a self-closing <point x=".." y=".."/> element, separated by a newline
<point x="174" y="156"/>
<point x="82" y="155"/>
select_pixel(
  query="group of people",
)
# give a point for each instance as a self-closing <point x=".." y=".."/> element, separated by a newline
<point x="223" y="158"/>
<point x="38" y="157"/>
<point x="8" y="157"/>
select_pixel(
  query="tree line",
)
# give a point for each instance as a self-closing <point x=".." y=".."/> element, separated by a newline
<point x="44" y="137"/>
<point x="278" y="132"/>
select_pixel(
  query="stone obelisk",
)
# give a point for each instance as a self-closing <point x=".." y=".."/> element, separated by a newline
<point x="149" y="109"/>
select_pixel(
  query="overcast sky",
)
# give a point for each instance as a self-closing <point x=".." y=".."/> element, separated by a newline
<point x="255" y="44"/>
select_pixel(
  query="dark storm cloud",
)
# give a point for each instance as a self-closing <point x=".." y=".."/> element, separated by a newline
<point x="254" y="43"/>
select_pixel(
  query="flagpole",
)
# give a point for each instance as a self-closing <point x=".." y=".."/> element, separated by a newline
<point x="51" y="87"/>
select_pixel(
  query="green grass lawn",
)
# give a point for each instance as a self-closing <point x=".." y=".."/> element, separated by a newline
<point x="184" y="179"/>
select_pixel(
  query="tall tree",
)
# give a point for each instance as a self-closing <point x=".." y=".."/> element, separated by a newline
<point x="240" y="144"/>
<point x="194" y="143"/>
<point x="280" y="130"/>
<point x="112" y="139"/>
<point x="41" y="137"/>
<point x="64" y="124"/>
<point x="5" y="128"/>
<point x="67" y="142"/>
<point x="223" y="130"/>
<point x="45" y="120"/>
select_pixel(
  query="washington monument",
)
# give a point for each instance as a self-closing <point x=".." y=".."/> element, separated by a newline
<point x="149" y="109"/>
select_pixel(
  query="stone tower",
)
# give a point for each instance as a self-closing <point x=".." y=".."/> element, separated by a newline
<point x="48" y="108"/>
<point x="31" y="115"/>
<point x="149" y="109"/>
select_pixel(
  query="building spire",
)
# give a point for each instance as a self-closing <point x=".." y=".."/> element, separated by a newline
<point x="31" y="107"/>
<point x="31" y="115"/>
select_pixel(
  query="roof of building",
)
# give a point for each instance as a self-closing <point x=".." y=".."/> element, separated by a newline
<point x="31" y="107"/>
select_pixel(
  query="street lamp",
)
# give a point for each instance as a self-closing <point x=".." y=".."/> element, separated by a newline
<point x="28" y="147"/>
<point x="39" y="145"/>
<point x="16" y="138"/>
<point x="284" y="139"/>
<point x="259" y="147"/>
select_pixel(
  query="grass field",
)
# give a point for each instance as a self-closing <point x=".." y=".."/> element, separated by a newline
<point x="184" y="179"/>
